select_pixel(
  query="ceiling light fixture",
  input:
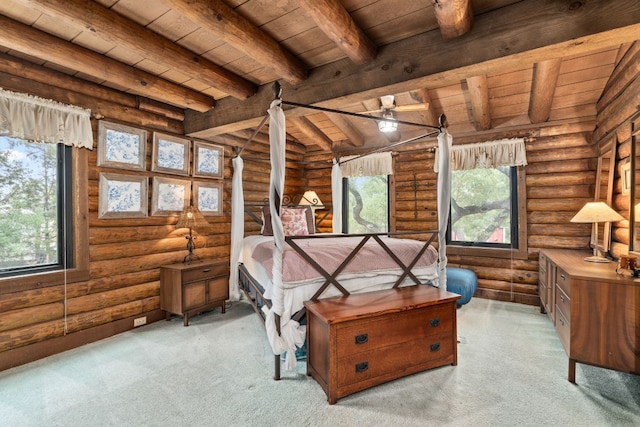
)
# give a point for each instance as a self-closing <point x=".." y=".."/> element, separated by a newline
<point x="389" y="124"/>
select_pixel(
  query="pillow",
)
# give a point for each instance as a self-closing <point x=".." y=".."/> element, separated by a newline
<point x="295" y="221"/>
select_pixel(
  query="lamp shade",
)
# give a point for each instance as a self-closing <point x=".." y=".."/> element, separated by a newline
<point x="310" y="198"/>
<point x="192" y="218"/>
<point x="596" y="212"/>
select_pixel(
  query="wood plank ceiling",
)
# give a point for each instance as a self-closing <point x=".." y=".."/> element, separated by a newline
<point x="490" y="66"/>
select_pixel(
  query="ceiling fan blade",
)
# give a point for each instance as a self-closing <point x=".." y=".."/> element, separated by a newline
<point x="379" y="110"/>
<point x="412" y="107"/>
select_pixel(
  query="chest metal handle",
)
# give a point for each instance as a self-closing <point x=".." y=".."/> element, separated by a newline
<point x="435" y="347"/>
<point x="361" y="367"/>
<point x="362" y="338"/>
<point x="435" y="322"/>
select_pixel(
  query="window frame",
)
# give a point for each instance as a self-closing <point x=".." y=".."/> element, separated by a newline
<point x="520" y="252"/>
<point x="79" y="270"/>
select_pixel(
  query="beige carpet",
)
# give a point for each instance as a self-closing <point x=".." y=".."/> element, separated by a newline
<point x="512" y="372"/>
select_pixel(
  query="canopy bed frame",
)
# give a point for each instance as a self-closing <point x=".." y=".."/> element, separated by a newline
<point x="282" y="320"/>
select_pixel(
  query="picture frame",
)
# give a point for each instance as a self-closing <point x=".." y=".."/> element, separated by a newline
<point x="169" y="196"/>
<point x="208" y="160"/>
<point x="208" y="197"/>
<point x="121" y="146"/>
<point x="122" y="196"/>
<point x="170" y="154"/>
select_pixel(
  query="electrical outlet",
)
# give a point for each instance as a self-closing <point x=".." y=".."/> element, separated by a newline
<point x="139" y="321"/>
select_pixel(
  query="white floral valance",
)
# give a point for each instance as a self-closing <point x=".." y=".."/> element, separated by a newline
<point x="491" y="154"/>
<point x="369" y="165"/>
<point x="42" y="120"/>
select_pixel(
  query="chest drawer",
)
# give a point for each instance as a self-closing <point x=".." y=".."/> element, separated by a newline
<point x="434" y="350"/>
<point x="369" y="334"/>
<point x="563" y="327"/>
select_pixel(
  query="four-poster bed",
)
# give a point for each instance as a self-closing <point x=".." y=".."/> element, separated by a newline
<point x="264" y="266"/>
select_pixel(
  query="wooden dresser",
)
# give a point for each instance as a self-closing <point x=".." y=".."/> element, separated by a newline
<point x="362" y="340"/>
<point x="596" y="312"/>
<point x="188" y="289"/>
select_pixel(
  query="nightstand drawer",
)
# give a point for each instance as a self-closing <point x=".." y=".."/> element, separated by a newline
<point x="203" y="272"/>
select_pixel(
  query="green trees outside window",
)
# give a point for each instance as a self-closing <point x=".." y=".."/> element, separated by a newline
<point x="483" y="207"/>
<point x="366" y="204"/>
<point x="32" y="204"/>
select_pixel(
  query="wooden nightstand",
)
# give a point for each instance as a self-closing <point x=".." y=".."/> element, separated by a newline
<point x="188" y="289"/>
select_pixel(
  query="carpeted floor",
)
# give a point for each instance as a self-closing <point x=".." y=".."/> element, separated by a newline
<point x="218" y="371"/>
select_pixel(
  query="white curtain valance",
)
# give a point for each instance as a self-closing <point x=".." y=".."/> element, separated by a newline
<point x="369" y="165"/>
<point x="491" y="154"/>
<point x="42" y="120"/>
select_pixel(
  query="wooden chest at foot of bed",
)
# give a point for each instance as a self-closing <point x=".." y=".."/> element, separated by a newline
<point x="362" y="340"/>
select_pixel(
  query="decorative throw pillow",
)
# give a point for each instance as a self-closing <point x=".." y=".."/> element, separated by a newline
<point x="295" y="221"/>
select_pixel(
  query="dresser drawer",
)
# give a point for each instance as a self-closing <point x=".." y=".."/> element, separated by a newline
<point x="563" y="327"/>
<point x="203" y="272"/>
<point x="563" y="280"/>
<point x="542" y="269"/>
<point x="435" y="350"/>
<point x="372" y="333"/>
<point x="219" y="288"/>
<point x="563" y="302"/>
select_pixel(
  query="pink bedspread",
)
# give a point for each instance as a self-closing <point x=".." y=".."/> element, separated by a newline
<point x="329" y="253"/>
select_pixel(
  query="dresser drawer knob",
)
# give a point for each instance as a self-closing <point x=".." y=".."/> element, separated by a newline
<point x="361" y="367"/>
<point x="362" y="338"/>
<point x="435" y="347"/>
<point x="561" y="298"/>
<point x="206" y="271"/>
<point x="435" y="322"/>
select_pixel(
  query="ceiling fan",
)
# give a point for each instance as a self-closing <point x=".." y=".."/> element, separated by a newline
<point x="388" y="104"/>
<point x="388" y="107"/>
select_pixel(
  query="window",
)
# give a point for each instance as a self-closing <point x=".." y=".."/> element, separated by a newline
<point x="366" y="204"/>
<point x="36" y="232"/>
<point x="484" y="208"/>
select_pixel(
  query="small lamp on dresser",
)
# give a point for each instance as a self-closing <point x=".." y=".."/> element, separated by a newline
<point x="595" y="212"/>
<point x="192" y="219"/>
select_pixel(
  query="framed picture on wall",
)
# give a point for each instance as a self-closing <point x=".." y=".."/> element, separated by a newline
<point x="169" y="196"/>
<point x="121" y="146"/>
<point x="207" y="197"/>
<point x="170" y="154"/>
<point x="122" y="196"/>
<point x="208" y="160"/>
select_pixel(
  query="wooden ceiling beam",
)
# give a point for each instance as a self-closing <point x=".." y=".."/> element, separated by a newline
<point x="543" y="86"/>
<point x="312" y="132"/>
<point x="422" y="96"/>
<point x="23" y="38"/>
<point x="509" y="37"/>
<point x="454" y="17"/>
<point x="114" y="28"/>
<point x="478" y="90"/>
<point x="354" y="137"/>
<point x="334" y="20"/>
<point x="233" y="28"/>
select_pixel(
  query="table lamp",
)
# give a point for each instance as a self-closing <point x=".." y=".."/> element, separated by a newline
<point x="595" y="212"/>
<point x="192" y="219"/>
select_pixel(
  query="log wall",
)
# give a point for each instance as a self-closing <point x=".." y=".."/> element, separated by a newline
<point x="124" y="254"/>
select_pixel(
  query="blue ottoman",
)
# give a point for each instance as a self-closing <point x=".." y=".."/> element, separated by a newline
<point x="463" y="282"/>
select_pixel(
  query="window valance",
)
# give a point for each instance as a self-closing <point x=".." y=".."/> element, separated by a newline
<point x="491" y="154"/>
<point x="42" y="120"/>
<point x="369" y="165"/>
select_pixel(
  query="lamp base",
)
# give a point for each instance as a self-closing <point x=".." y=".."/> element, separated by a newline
<point x="595" y="258"/>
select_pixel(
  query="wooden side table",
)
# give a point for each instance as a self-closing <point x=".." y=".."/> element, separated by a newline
<point x="189" y="289"/>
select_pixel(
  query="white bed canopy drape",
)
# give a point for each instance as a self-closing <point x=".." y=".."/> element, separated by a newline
<point x="237" y="226"/>
<point x="42" y="120"/>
